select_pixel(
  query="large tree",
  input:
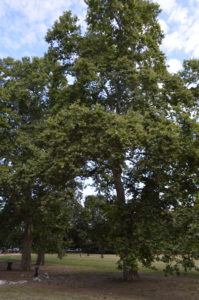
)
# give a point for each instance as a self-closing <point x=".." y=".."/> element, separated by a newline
<point x="22" y="101"/>
<point x="140" y="149"/>
<point x="113" y="113"/>
<point x="38" y="206"/>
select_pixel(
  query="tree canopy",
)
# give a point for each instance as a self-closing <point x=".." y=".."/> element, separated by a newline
<point x="101" y="104"/>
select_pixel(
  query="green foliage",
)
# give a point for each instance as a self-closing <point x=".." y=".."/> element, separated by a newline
<point x="190" y="76"/>
<point x="102" y="105"/>
<point x="25" y="197"/>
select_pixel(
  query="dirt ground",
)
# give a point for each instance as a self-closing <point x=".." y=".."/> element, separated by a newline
<point x="109" y="286"/>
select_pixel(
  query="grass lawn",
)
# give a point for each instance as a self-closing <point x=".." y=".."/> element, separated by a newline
<point x="83" y="262"/>
<point x="88" y="262"/>
<point x="34" y="293"/>
<point x="90" y="277"/>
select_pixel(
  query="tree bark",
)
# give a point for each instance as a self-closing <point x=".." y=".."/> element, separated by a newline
<point x="40" y="258"/>
<point x="117" y="176"/>
<point x="125" y="272"/>
<point x="128" y="273"/>
<point x="26" y="248"/>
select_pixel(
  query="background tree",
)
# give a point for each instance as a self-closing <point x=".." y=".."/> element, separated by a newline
<point x="26" y="96"/>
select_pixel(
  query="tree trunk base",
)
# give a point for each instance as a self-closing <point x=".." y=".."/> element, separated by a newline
<point x="129" y="274"/>
<point x="26" y="248"/>
<point x="40" y="258"/>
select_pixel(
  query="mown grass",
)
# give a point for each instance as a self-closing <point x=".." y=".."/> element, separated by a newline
<point x="92" y="262"/>
<point x="32" y="293"/>
<point x="84" y="265"/>
<point x="83" y="262"/>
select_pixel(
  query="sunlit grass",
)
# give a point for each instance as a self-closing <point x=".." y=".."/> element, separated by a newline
<point x="92" y="262"/>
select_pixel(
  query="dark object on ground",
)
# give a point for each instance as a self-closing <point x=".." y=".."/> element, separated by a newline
<point x="9" y="266"/>
<point x="36" y="271"/>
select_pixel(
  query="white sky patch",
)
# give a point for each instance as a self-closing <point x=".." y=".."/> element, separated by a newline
<point x="179" y="15"/>
<point x="174" y="65"/>
<point x="163" y="25"/>
<point x="166" y="5"/>
<point x="9" y="43"/>
<point x="2" y="10"/>
<point x="88" y="189"/>
<point x="24" y="23"/>
<point x="181" y="20"/>
<point x="37" y="10"/>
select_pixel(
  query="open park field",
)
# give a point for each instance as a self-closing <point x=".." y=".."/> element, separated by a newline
<point x="85" y="277"/>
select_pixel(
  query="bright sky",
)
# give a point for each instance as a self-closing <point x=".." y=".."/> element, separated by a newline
<point x="23" y="25"/>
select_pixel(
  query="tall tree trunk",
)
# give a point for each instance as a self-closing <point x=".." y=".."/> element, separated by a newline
<point x="117" y="176"/>
<point x="26" y="248"/>
<point x="40" y="257"/>
<point x="128" y="273"/>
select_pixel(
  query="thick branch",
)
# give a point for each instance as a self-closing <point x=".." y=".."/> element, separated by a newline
<point x="117" y="176"/>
